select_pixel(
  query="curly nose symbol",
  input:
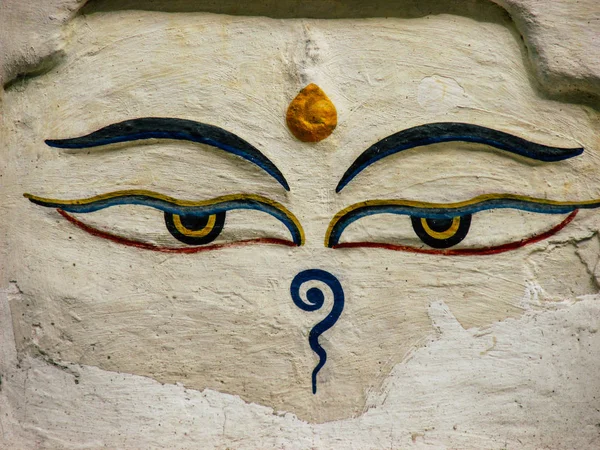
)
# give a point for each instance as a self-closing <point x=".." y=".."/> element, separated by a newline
<point x="314" y="301"/>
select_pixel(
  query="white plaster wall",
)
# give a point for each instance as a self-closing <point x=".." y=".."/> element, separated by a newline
<point x="525" y="382"/>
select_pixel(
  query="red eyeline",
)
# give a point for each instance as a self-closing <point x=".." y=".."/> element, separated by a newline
<point x="464" y="251"/>
<point x="158" y="248"/>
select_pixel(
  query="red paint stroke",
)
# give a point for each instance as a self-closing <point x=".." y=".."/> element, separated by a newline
<point x="464" y="251"/>
<point x="158" y="248"/>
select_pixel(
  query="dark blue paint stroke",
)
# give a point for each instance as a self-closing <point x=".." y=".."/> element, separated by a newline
<point x="449" y="213"/>
<point x="434" y="133"/>
<point x="171" y="128"/>
<point x="315" y="300"/>
<point x="166" y="206"/>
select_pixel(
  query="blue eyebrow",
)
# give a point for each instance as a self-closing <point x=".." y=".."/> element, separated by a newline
<point x="171" y="128"/>
<point x="434" y="133"/>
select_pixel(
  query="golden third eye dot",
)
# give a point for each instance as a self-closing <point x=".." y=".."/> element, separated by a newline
<point x="311" y="116"/>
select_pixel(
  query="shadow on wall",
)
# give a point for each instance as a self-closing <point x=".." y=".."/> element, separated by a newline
<point x="479" y="10"/>
<point x="574" y="82"/>
<point x="482" y="10"/>
<point x="565" y="88"/>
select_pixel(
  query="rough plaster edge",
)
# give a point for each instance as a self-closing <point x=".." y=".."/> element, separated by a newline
<point x="564" y="62"/>
<point x="86" y="407"/>
<point x="32" y="36"/>
<point x="563" y="44"/>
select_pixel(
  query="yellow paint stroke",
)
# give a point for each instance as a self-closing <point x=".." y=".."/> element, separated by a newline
<point x="212" y="219"/>
<point x="441" y="234"/>
<point x="311" y="116"/>
<point x="175" y="201"/>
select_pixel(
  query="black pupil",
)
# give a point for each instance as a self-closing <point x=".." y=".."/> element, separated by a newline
<point x="439" y="225"/>
<point x="194" y="223"/>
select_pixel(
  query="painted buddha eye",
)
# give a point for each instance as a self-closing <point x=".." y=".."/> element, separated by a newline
<point x="182" y="226"/>
<point x="195" y="229"/>
<point x="441" y="233"/>
<point x="487" y="224"/>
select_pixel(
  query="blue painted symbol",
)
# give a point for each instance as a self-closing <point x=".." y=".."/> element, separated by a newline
<point x="314" y="301"/>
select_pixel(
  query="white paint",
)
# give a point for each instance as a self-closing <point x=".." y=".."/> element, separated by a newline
<point x="225" y="322"/>
<point x="526" y="383"/>
<point x="439" y="94"/>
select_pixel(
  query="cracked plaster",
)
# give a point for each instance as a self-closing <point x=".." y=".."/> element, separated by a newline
<point x="526" y="382"/>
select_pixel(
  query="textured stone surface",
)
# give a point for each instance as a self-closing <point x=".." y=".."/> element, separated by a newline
<point x="526" y="383"/>
<point x="562" y="36"/>
<point x="562" y="39"/>
<point x="500" y="352"/>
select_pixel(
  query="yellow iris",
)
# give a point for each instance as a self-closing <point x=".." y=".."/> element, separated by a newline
<point x="212" y="219"/>
<point x="451" y="231"/>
